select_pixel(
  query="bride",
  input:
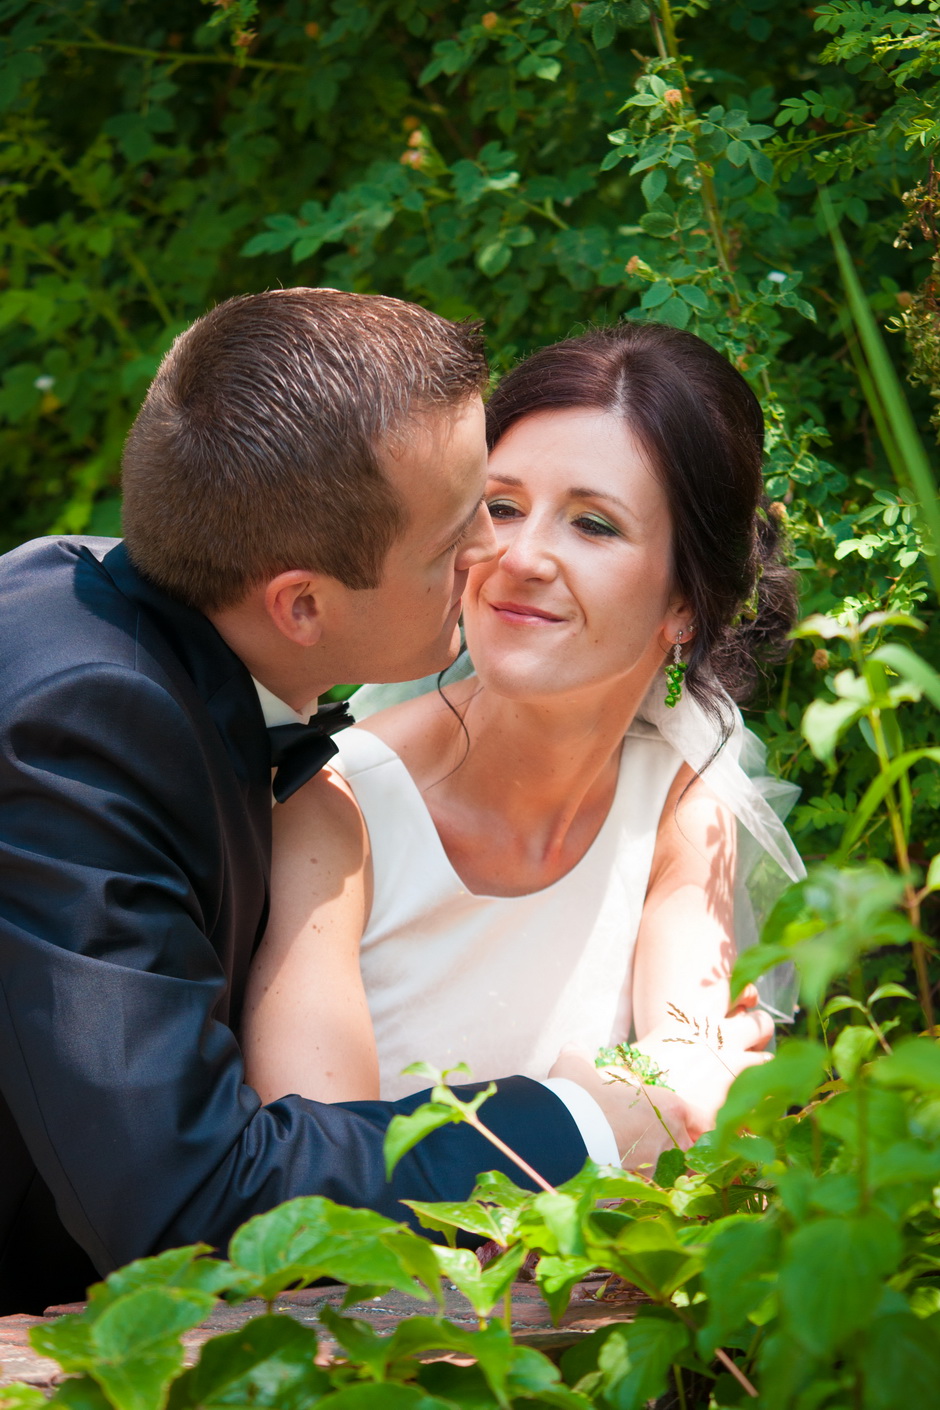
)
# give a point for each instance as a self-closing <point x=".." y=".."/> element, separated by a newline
<point x="542" y="855"/>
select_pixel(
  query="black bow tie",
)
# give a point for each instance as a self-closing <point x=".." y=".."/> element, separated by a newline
<point x="300" y="751"/>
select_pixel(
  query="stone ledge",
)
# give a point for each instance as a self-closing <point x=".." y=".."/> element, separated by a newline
<point x="531" y="1323"/>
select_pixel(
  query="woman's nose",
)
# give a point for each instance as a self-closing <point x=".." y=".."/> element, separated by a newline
<point x="526" y="550"/>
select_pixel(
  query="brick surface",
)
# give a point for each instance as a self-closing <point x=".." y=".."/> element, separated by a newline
<point x="594" y="1303"/>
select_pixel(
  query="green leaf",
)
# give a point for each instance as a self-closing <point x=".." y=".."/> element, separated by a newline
<point x="831" y="1277"/>
<point x="482" y="1287"/>
<point x="761" y="1095"/>
<point x="310" y="1238"/>
<point x="885" y="395"/>
<point x="877" y="790"/>
<point x="267" y="1362"/>
<point x="636" y="1357"/>
<point x="675" y="311"/>
<point x="695" y="296"/>
<point x="604" y="32"/>
<point x="825" y="722"/>
<point x="656" y="294"/>
<point x="670" y="1165"/>
<point x="910" y="667"/>
<point x="890" y="991"/>
<point x="761" y="165"/>
<point x="658" y="224"/>
<point x="737" y="152"/>
<point x="915" y="1063"/>
<point x="646" y="1253"/>
<point x="653" y="185"/>
<point x="22" y="1397"/>
<point x="853" y="1047"/>
<point x="404" y="1132"/>
<point x="740" y="1270"/>
<point x="556" y="1275"/>
<point x="493" y="258"/>
<point x="386" y="1396"/>
<point x="901" y="1350"/>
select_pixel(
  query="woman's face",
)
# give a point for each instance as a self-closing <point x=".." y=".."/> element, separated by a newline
<point x="580" y="594"/>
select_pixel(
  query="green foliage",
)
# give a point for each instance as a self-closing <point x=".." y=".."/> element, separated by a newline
<point x="536" y="164"/>
<point x="543" y="165"/>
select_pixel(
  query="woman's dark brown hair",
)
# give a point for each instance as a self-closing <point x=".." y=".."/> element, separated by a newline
<point x="703" y="430"/>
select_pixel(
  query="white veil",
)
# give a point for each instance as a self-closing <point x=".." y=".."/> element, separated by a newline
<point x="735" y="771"/>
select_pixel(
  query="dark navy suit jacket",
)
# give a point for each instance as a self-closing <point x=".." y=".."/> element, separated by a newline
<point x="135" y="817"/>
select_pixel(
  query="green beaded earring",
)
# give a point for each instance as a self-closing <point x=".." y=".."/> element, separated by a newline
<point x="674" y="674"/>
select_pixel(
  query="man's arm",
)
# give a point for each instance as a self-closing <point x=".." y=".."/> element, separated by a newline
<point x="125" y="1086"/>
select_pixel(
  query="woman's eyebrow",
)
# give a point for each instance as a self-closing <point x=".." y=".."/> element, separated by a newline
<point x="582" y="492"/>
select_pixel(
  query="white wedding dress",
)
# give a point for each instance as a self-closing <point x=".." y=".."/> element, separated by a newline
<point x="501" y="983"/>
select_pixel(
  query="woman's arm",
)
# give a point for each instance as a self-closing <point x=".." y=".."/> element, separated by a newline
<point x="307" y="1027"/>
<point x="685" y="944"/>
<point x="685" y="953"/>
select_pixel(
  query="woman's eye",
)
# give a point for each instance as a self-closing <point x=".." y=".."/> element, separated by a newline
<point x="502" y="509"/>
<point x="595" y="526"/>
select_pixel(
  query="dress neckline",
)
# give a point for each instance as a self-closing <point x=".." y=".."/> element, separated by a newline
<point x="444" y="861"/>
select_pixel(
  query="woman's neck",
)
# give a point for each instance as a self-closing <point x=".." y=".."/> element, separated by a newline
<point x="519" y="808"/>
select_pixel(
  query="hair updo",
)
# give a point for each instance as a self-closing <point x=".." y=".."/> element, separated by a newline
<point x="703" y="430"/>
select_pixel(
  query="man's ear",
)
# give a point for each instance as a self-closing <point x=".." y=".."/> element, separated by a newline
<point x="294" y="602"/>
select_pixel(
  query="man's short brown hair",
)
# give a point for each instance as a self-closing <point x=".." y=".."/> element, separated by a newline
<point x="256" y="450"/>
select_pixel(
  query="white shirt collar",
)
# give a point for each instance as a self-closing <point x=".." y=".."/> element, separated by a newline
<point x="278" y="712"/>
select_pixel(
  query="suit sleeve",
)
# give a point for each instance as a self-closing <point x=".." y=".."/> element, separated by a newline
<point x="126" y="1088"/>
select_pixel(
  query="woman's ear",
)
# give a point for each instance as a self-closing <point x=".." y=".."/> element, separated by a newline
<point x="679" y="618"/>
<point x="293" y="602"/>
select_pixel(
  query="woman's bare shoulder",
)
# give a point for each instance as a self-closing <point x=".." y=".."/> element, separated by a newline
<point x="322" y="814"/>
<point x="421" y="729"/>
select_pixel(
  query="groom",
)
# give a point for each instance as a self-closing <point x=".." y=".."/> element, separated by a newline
<point x="303" y="500"/>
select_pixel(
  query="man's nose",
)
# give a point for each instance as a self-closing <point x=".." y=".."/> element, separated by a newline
<point x="480" y="543"/>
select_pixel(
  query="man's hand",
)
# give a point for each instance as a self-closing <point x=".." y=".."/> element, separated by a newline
<point x="645" y="1120"/>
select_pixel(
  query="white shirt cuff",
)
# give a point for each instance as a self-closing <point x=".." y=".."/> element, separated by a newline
<point x="595" y="1129"/>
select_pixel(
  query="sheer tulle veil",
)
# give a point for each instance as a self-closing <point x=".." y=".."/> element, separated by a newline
<point x="735" y="771"/>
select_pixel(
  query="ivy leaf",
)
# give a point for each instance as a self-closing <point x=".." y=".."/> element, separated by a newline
<point x="482" y="1287"/>
<point x="310" y="1238"/>
<point x="404" y="1132"/>
<point x="267" y="1362"/>
<point x="646" y="1252"/>
<point x="388" y="1395"/>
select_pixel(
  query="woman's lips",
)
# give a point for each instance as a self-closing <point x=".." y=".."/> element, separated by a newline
<point x="523" y="612"/>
